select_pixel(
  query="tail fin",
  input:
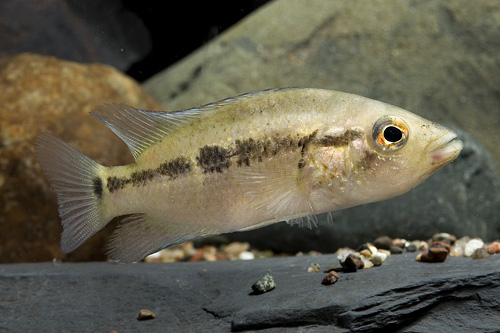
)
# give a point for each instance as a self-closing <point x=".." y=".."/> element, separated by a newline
<point x="77" y="181"/>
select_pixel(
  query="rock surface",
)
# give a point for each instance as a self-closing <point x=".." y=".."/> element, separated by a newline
<point x="46" y="94"/>
<point x="461" y="294"/>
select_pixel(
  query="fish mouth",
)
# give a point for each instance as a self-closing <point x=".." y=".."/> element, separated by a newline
<point x="445" y="149"/>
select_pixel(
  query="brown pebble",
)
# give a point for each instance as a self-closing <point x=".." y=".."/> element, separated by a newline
<point x="442" y="245"/>
<point x="481" y="253"/>
<point x="383" y="242"/>
<point x="330" y="278"/>
<point x="352" y="263"/>
<point x="434" y="254"/>
<point x="494" y="247"/>
<point x="145" y="314"/>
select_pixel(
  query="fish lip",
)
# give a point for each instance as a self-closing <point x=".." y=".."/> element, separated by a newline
<point x="445" y="149"/>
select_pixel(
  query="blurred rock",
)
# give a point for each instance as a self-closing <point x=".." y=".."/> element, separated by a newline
<point x="83" y="31"/>
<point x="47" y="94"/>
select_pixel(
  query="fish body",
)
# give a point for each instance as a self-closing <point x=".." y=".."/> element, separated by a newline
<point x="240" y="164"/>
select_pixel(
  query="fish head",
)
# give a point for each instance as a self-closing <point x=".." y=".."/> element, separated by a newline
<point x="381" y="151"/>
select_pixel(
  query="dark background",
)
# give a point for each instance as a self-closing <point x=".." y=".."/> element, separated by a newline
<point x="181" y="27"/>
<point x="139" y="38"/>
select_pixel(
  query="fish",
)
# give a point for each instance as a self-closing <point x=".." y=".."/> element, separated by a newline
<point x="242" y="163"/>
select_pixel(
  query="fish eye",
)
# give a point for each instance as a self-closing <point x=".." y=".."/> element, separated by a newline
<point x="390" y="133"/>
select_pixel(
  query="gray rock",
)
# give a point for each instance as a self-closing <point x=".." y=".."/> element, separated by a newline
<point x="460" y="294"/>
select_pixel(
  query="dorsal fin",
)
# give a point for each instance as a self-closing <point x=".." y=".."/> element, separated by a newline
<point x="140" y="129"/>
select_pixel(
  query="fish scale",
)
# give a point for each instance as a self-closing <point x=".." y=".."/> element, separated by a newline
<point x="239" y="164"/>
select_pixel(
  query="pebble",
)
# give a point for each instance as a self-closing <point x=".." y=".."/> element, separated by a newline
<point x="494" y="247"/>
<point x="437" y="252"/>
<point x="343" y="252"/>
<point x="434" y="254"/>
<point x="366" y="253"/>
<point x="264" y="284"/>
<point x="411" y="248"/>
<point x="145" y="314"/>
<point x="480" y="253"/>
<point x="456" y="251"/>
<point x="313" y="268"/>
<point x="402" y="243"/>
<point x="330" y="278"/>
<point x="373" y="249"/>
<point x="444" y="237"/>
<point x="234" y="249"/>
<point x="441" y="244"/>
<point x="396" y="249"/>
<point x="377" y="259"/>
<point x="386" y="252"/>
<point x="366" y="263"/>
<point x="472" y="246"/>
<point x="246" y="255"/>
<point x="383" y="242"/>
<point x="352" y="263"/>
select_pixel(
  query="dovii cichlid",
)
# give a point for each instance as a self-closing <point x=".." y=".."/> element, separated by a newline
<point x="240" y="164"/>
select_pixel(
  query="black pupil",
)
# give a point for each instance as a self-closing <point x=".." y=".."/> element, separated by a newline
<point x="392" y="134"/>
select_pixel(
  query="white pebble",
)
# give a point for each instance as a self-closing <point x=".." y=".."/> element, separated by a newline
<point x="472" y="246"/>
<point x="246" y="255"/>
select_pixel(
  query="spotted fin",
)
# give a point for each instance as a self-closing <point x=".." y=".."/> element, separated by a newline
<point x="139" y="235"/>
<point x="140" y="129"/>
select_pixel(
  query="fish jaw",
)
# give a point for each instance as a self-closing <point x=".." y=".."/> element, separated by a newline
<point x="444" y="150"/>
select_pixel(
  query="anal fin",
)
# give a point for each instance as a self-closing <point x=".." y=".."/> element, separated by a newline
<point x="139" y="235"/>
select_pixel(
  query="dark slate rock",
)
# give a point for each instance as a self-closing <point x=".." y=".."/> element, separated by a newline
<point x="463" y="199"/>
<point x="460" y="294"/>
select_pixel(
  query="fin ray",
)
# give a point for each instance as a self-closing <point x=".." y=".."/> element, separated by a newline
<point x="140" y="129"/>
<point x="71" y="175"/>
<point x="139" y="235"/>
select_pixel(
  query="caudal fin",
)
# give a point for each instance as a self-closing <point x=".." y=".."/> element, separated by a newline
<point x="77" y="181"/>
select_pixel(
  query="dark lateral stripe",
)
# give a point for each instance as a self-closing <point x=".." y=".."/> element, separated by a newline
<point x="173" y="169"/>
<point x="339" y="140"/>
<point x="217" y="158"/>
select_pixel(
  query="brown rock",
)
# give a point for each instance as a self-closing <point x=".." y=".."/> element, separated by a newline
<point x="47" y="94"/>
<point x="146" y="314"/>
<point x="330" y="278"/>
<point x="434" y="254"/>
<point x="352" y="263"/>
<point x="494" y="247"/>
<point x="441" y="245"/>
